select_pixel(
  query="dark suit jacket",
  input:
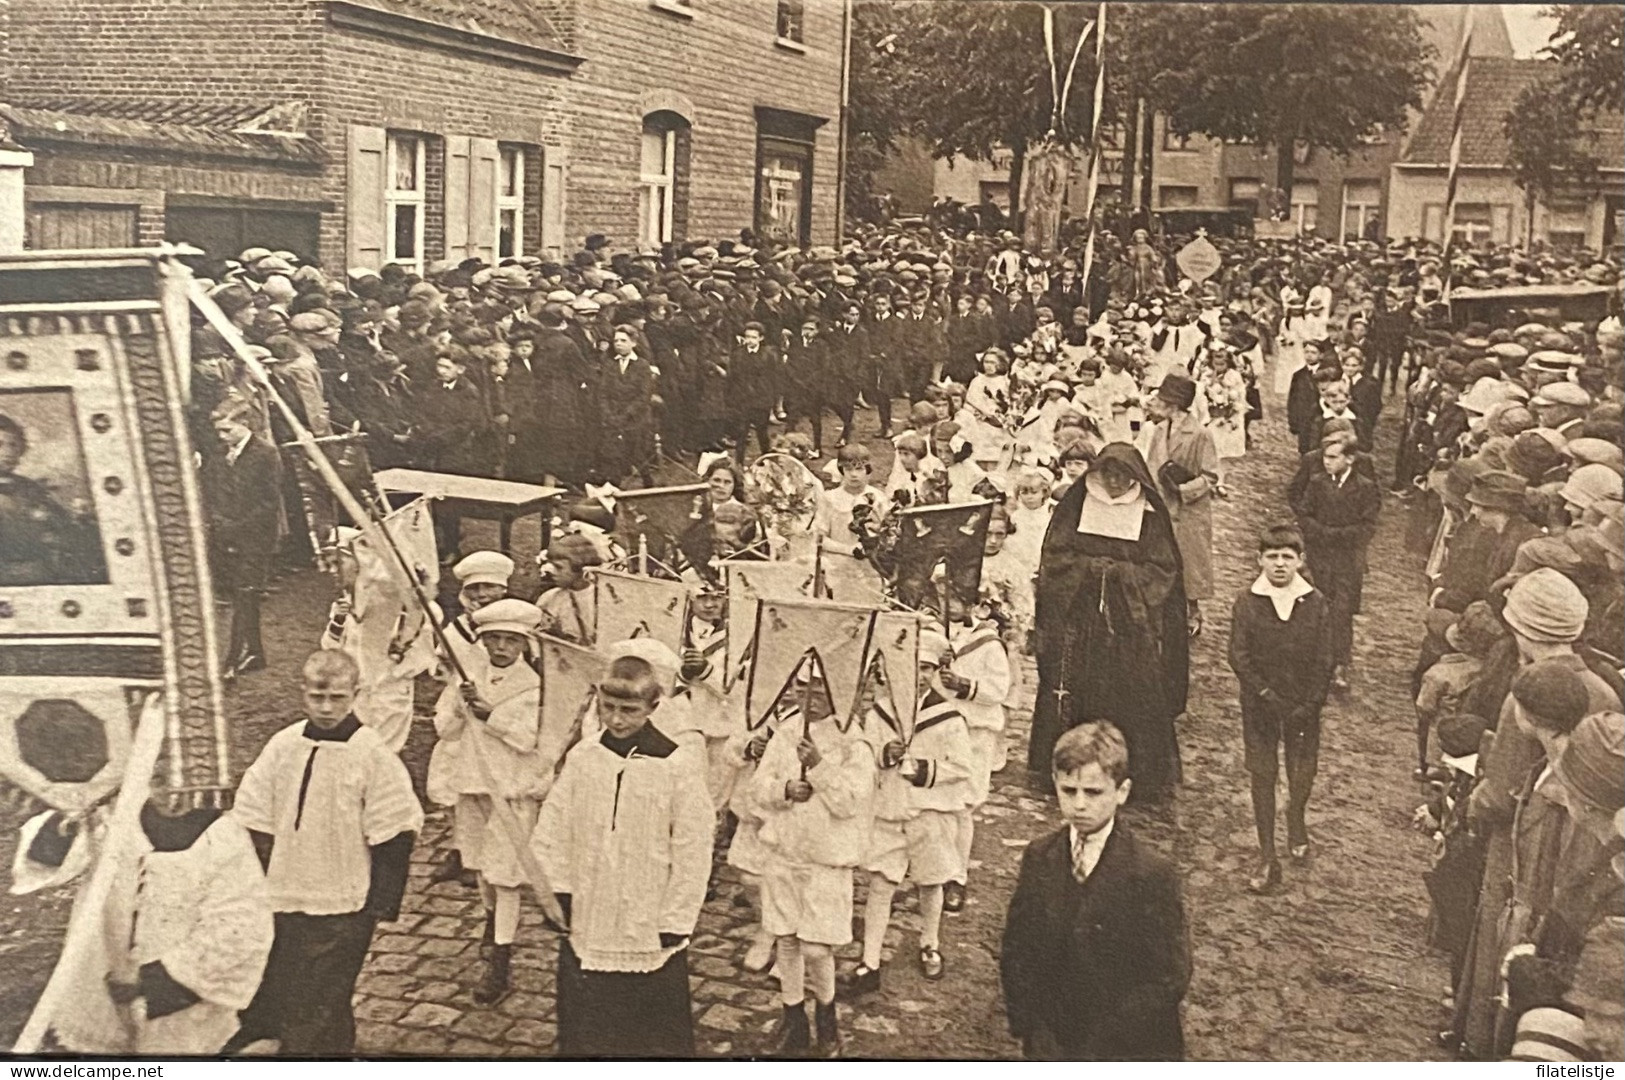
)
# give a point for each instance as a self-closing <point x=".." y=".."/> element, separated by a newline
<point x="244" y="502"/>
<point x="753" y="381"/>
<point x="1102" y="966"/>
<point x="1302" y="406"/>
<point x="1365" y="402"/>
<point x="1337" y="522"/>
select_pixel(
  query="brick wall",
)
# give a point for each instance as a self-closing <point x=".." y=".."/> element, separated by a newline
<point x="219" y="52"/>
<point x="724" y="62"/>
<point x="379" y="82"/>
<point x="112" y="169"/>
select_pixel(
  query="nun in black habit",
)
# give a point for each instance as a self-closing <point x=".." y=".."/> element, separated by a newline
<point x="1110" y="621"/>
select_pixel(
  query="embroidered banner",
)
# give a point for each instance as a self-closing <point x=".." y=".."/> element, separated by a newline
<point x="632" y="605"/>
<point x="748" y="582"/>
<point x="104" y="569"/>
<point x="786" y="631"/>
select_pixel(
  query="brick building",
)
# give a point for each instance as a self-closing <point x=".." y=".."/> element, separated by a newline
<point x="1490" y="207"/>
<point x="366" y="131"/>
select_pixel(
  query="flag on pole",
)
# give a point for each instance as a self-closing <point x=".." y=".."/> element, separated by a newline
<point x="747" y="582"/>
<point x="786" y="631"/>
<point x="633" y="605"/>
<point x="1096" y="151"/>
<point x="570" y="676"/>
<point x="895" y="644"/>
<point x="1452" y="175"/>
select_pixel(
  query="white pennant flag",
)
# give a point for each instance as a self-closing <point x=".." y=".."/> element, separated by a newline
<point x="636" y="605"/>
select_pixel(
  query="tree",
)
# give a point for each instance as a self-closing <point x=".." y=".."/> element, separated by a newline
<point x="976" y="78"/>
<point x="1285" y="75"/>
<point x="1548" y="127"/>
<point x="878" y="113"/>
<point x="1589" y="47"/>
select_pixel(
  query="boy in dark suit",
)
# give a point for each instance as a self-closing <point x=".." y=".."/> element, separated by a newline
<point x="1365" y="395"/>
<point x="1096" y="954"/>
<point x="1303" y="398"/>
<point x="1337" y="512"/>
<point x="1280" y="650"/>
<point x="241" y="490"/>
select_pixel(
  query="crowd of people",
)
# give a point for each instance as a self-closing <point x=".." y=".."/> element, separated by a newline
<point x="1097" y="419"/>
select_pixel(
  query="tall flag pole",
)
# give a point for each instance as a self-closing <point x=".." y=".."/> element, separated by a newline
<point x="1452" y="175"/>
<point x="1095" y="153"/>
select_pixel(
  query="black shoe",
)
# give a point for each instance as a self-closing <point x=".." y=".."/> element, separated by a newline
<point x="863" y="980"/>
<point x="449" y="870"/>
<point x="1266" y="879"/>
<point x="495" y="986"/>
<point x="1298" y="846"/>
<point x="953" y="896"/>
<point x="828" y="1034"/>
<point x="793" y="1037"/>
<point x="488" y="940"/>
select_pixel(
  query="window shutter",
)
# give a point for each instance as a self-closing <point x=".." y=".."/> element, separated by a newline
<point x="457" y="198"/>
<point x="1433" y="221"/>
<point x="364" y="197"/>
<point x="483" y="159"/>
<point x="554" y="161"/>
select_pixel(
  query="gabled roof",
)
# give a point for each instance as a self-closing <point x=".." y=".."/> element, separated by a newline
<point x="254" y="133"/>
<point x="520" y="21"/>
<point x="1493" y="86"/>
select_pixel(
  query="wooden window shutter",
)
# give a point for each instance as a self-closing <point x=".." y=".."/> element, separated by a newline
<point x="554" y="160"/>
<point x="458" y="200"/>
<point x="483" y="160"/>
<point x="364" y="197"/>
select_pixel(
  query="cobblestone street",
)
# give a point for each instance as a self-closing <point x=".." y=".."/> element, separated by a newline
<point x="1332" y="967"/>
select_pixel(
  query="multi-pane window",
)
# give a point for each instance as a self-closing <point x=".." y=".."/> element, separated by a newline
<point x="1362" y="200"/>
<point x="783" y="191"/>
<point x="1567" y="224"/>
<point x="510" y="202"/>
<point x="792" y="15"/>
<point x="657" y="175"/>
<point x="403" y="200"/>
<point x="1305" y="204"/>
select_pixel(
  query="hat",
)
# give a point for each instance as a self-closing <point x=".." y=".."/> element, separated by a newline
<point x="483" y="568"/>
<point x="1475" y="631"/>
<point x="1592" y="765"/>
<point x="309" y="322"/>
<point x="510" y="277"/>
<point x="1550" y="1034"/>
<point x="654" y="652"/>
<point x="1589" y="451"/>
<point x="1562" y="393"/>
<point x="1177" y="390"/>
<point x="560" y="296"/>
<point x="1589" y="483"/>
<point x="1511" y="418"/>
<point x="1532" y="455"/>
<point x="1509" y="351"/>
<point x="1056" y="384"/>
<point x="932" y="645"/>
<point x="1546" y="607"/>
<point x="511" y="615"/>
<point x="1552" y="690"/>
<point x="1460" y="736"/>
<point x="1498" y="490"/>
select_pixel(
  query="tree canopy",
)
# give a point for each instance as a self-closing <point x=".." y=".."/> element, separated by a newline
<point x="1548" y="128"/>
<point x="1280" y="75"/>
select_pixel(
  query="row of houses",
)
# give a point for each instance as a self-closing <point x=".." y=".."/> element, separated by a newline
<point x="1393" y="186"/>
<point x="359" y="132"/>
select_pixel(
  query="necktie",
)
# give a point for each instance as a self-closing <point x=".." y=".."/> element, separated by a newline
<point x="1080" y="867"/>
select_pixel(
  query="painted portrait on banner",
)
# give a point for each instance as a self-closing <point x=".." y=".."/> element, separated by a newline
<point x="49" y="533"/>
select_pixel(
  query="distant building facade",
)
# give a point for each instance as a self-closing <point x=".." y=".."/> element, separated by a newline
<point x="368" y="131"/>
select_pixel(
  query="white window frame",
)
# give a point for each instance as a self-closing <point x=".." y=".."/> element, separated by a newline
<point x="1300" y="210"/>
<point x="658" y="188"/>
<point x="1562" y="209"/>
<point x="1366" y="210"/>
<point x="514" y="202"/>
<point x="396" y="198"/>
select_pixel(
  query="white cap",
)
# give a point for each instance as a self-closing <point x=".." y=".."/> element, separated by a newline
<point x="932" y="645"/>
<point x="514" y="616"/>
<point x="484" y="568"/>
<point x="657" y="654"/>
